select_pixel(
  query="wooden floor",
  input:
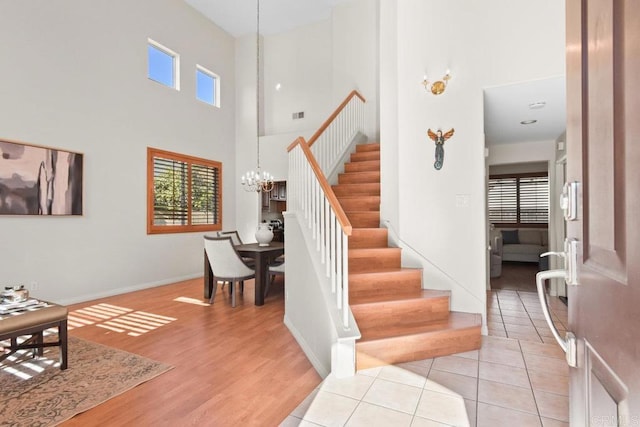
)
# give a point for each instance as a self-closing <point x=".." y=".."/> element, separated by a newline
<point x="517" y="276"/>
<point x="231" y="366"/>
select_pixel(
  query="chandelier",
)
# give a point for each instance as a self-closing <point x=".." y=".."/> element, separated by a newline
<point x="257" y="180"/>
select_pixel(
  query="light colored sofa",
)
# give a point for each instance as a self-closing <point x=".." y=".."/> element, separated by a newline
<point x="523" y="244"/>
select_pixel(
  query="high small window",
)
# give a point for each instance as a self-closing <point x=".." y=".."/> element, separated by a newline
<point x="162" y="65"/>
<point x="519" y="200"/>
<point x="184" y="193"/>
<point x="207" y="84"/>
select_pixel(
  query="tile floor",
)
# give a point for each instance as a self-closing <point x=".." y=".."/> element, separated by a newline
<point x="518" y="378"/>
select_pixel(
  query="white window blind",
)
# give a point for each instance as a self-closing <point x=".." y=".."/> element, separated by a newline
<point x="185" y="193"/>
<point x="518" y="200"/>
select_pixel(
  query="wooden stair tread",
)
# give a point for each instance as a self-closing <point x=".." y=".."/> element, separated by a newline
<point x="455" y="321"/>
<point x="368" y="238"/>
<point x="363" y="219"/>
<point x="364" y="156"/>
<point x="372" y="230"/>
<point x="398" y="280"/>
<point x="413" y="294"/>
<point x="369" y="189"/>
<point x="403" y="270"/>
<point x="374" y="259"/>
<point x="364" y="212"/>
<point x="359" y="177"/>
<point x="363" y="165"/>
<point x="359" y="202"/>
<point x="353" y="197"/>
<point x="357" y="253"/>
<point x="381" y="277"/>
<point x="369" y="146"/>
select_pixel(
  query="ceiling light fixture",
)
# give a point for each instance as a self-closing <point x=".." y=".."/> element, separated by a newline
<point x="537" y="105"/>
<point x="257" y="181"/>
<point x="528" y="122"/>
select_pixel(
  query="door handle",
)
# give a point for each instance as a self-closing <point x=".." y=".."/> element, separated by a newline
<point x="567" y="344"/>
<point x="570" y="258"/>
<point x="562" y="255"/>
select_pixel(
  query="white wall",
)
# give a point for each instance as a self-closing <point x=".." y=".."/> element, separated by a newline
<point x="247" y="204"/>
<point x="522" y="152"/>
<point x="306" y="313"/>
<point x="74" y="77"/>
<point x="356" y="57"/>
<point x="274" y="155"/>
<point x="442" y="214"/>
<point x="318" y="65"/>
<point x="389" y="132"/>
<point x="300" y="60"/>
<point x="515" y="168"/>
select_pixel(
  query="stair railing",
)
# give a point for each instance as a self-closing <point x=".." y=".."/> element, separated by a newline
<point x="310" y="195"/>
<point x="336" y="133"/>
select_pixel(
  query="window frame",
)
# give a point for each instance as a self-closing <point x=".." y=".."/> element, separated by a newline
<point x="518" y="223"/>
<point x="175" y="61"/>
<point x="216" y="85"/>
<point x="153" y="228"/>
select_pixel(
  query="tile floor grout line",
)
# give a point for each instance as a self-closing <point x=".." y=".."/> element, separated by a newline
<point x="530" y="319"/>
<point x="530" y="383"/>
<point x="504" y="328"/>
<point x="527" y="370"/>
<point x="415" y="411"/>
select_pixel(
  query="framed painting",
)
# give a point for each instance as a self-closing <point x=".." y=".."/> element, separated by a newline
<point x="37" y="180"/>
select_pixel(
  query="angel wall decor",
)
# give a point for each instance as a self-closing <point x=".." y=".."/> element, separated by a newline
<point x="439" y="139"/>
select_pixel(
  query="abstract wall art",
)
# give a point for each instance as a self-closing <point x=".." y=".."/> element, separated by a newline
<point x="37" y="180"/>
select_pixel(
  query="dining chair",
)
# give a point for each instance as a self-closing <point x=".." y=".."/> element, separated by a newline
<point x="236" y="240"/>
<point x="235" y="236"/>
<point x="274" y="270"/>
<point x="226" y="265"/>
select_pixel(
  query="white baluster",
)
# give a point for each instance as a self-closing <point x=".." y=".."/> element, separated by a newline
<point x="333" y="251"/>
<point x="327" y="237"/>
<point x="323" y="230"/>
<point x="345" y="280"/>
<point x="338" y="265"/>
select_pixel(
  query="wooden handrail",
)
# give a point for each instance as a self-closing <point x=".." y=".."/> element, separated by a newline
<point x="332" y="117"/>
<point x="328" y="191"/>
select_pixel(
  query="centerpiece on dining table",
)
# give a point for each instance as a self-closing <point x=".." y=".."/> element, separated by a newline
<point x="264" y="234"/>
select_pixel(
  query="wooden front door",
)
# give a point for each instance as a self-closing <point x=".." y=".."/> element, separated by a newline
<point x="603" y="142"/>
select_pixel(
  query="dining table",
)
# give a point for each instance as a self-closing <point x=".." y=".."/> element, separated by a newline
<point x="263" y="257"/>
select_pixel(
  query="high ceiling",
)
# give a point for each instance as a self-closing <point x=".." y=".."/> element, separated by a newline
<point x="505" y="107"/>
<point x="238" y="17"/>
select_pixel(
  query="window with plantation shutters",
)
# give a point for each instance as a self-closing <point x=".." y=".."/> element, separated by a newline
<point x="519" y="200"/>
<point x="184" y="193"/>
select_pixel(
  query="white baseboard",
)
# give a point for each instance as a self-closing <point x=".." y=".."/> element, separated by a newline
<point x="127" y="289"/>
<point x="322" y="370"/>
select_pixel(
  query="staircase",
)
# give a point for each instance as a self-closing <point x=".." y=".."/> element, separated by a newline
<point x="399" y="321"/>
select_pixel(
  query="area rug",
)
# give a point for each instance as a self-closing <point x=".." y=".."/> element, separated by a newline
<point x="35" y="392"/>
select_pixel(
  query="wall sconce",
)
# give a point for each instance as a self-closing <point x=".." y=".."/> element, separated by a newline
<point x="436" y="87"/>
